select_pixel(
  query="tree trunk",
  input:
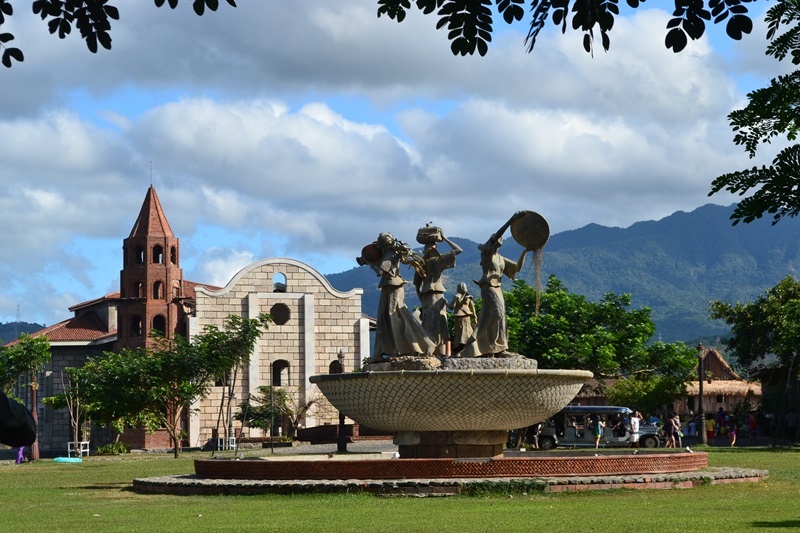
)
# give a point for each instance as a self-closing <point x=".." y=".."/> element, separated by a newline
<point x="34" y="412"/>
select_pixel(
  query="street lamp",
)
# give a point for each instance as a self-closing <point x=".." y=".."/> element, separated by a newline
<point x="341" y="439"/>
<point x="701" y="354"/>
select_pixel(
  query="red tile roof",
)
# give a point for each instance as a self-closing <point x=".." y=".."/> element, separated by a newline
<point x="89" y="303"/>
<point x="87" y="327"/>
<point x="82" y="328"/>
<point x="151" y="220"/>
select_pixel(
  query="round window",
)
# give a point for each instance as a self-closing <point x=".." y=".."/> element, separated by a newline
<point x="280" y="314"/>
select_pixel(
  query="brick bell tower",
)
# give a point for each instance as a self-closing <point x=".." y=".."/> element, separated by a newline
<point x="151" y="280"/>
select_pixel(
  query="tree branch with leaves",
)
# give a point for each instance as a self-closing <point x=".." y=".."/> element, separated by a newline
<point x="92" y="19"/>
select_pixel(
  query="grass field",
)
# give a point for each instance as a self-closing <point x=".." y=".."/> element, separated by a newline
<point x="95" y="496"/>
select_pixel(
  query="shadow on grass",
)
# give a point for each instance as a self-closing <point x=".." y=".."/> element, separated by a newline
<point x="120" y="485"/>
<point x="776" y="524"/>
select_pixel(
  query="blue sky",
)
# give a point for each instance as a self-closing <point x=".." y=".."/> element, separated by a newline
<point x="303" y="129"/>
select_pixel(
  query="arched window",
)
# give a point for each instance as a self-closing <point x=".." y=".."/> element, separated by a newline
<point x="158" y="254"/>
<point x="138" y="289"/>
<point x="279" y="282"/>
<point x="335" y="367"/>
<point x="280" y="373"/>
<point x="280" y="314"/>
<point x="160" y="324"/>
<point x="158" y="290"/>
<point x="173" y="255"/>
<point x="136" y="326"/>
<point x="139" y="255"/>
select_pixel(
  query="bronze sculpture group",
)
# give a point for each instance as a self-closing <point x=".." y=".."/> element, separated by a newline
<point x="399" y="332"/>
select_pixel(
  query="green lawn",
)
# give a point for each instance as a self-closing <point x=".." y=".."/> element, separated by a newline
<point x="95" y="496"/>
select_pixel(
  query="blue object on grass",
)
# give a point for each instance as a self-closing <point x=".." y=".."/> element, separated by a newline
<point x="68" y="460"/>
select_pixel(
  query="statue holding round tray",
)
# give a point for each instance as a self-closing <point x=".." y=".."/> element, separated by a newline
<point x="490" y="337"/>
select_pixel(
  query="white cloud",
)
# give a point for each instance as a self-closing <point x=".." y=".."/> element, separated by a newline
<point x="303" y="129"/>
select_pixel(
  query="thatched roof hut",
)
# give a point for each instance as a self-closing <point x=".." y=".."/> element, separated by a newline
<point x="722" y="388"/>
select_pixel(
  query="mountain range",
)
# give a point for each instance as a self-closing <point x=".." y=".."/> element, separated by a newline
<point x="675" y="266"/>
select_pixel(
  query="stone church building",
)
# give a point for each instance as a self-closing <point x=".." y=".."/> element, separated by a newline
<point x="313" y="323"/>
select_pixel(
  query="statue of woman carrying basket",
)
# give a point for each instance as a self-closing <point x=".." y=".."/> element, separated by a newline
<point x="397" y="331"/>
<point x="430" y="288"/>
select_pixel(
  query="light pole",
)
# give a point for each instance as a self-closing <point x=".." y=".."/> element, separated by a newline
<point x="271" y="409"/>
<point x="701" y="355"/>
<point x="341" y="438"/>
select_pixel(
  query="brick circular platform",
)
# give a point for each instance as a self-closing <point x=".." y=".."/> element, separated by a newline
<point x="560" y="466"/>
<point x="194" y="485"/>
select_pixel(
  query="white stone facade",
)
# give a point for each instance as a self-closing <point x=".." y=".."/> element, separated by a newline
<point x="320" y="322"/>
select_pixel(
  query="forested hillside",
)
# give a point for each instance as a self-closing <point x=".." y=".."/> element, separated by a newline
<point x="675" y="265"/>
<point x="11" y="331"/>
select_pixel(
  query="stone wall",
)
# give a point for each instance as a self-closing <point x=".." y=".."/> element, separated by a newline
<point x="313" y="323"/>
<point x="55" y="429"/>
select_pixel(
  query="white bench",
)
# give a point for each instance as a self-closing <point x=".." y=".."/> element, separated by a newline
<point x="80" y="451"/>
<point x="231" y="443"/>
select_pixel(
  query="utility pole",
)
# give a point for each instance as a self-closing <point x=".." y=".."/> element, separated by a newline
<point x="701" y="355"/>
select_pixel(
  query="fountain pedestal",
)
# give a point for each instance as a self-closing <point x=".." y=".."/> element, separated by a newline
<point x="450" y="444"/>
<point x="463" y="409"/>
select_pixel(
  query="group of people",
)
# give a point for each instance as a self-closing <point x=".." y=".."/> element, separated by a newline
<point x="725" y="426"/>
<point x="399" y="332"/>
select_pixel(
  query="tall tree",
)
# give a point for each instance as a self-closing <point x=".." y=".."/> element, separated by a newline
<point x="227" y="350"/>
<point x="765" y="338"/>
<point x="772" y="112"/>
<point x="157" y="386"/>
<point x="73" y="400"/>
<point x="606" y="337"/>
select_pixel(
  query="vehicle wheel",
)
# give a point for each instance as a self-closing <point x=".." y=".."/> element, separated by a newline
<point x="649" y="442"/>
<point x="547" y="443"/>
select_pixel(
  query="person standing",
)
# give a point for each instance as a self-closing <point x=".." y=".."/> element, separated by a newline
<point x="732" y="425"/>
<point x="710" y="427"/>
<point x="634" y="423"/>
<point x="599" y="430"/>
<point x="669" y="429"/>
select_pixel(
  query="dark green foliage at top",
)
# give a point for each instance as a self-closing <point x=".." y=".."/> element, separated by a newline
<point x="469" y="23"/>
<point x="771" y="113"/>
<point x="92" y="18"/>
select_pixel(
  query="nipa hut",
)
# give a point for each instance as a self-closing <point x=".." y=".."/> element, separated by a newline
<point x="722" y="387"/>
